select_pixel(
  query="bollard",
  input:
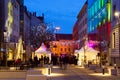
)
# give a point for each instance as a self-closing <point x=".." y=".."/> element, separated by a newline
<point x="103" y="70"/>
<point x="49" y="69"/>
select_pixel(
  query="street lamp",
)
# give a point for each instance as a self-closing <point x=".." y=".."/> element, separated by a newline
<point x="85" y="47"/>
<point x="57" y="28"/>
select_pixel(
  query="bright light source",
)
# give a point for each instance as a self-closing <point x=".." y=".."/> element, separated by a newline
<point x="116" y="14"/>
<point x="57" y="28"/>
<point x="56" y="74"/>
<point x="100" y="74"/>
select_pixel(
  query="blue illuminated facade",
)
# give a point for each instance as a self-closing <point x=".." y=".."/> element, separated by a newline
<point x="98" y="14"/>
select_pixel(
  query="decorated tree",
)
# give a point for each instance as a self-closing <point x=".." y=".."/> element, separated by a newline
<point x="41" y="33"/>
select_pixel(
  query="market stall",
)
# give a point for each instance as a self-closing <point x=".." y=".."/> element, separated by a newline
<point x="86" y="55"/>
<point x="42" y="51"/>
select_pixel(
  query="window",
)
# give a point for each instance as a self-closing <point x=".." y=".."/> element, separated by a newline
<point x="65" y="49"/>
<point x="68" y="49"/>
<point x="61" y="49"/>
<point x="113" y="40"/>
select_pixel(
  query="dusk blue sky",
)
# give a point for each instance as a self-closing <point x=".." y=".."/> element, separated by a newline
<point x="60" y="13"/>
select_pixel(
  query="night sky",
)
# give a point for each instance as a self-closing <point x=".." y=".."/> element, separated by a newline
<point x="60" y="13"/>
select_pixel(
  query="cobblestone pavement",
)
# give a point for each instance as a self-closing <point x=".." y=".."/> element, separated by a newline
<point x="78" y="73"/>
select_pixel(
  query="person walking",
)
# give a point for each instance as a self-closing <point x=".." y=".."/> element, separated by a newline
<point x="65" y="61"/>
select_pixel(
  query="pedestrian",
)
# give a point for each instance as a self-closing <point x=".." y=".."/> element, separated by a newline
<point x="65" y="61"/>
<point x="61" y="61"/>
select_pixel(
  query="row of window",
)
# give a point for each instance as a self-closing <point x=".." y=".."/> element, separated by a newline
<point x="64" y="44"/>
<point x="82" y="23"/>
<point x="96" y="7"/>
<point x="63" y="49"/>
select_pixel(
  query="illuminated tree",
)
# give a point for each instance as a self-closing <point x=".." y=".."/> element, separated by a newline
<point x="41" y="33"/>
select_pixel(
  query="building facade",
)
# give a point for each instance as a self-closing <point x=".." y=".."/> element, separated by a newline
<point x="75" y="31"/>
<point x="63" y="44"/>
<point x="82" y="25"/>
<point x="115" y="33"/>
<point x="26" y="34"/>
<point x="27" y="25"/>
<point x="62" y="47"/>
<point x="2" y="22"/>
<point x="99" y="23"/>
<point x="9" y="29"/>
<point x="99" y="18"/>
<point x="16" y="20"/>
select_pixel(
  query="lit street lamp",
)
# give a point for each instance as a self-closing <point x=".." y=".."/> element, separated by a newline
<point x="56" y="29"/>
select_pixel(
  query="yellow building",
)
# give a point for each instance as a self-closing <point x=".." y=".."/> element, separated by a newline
<point x="62" y="47"/>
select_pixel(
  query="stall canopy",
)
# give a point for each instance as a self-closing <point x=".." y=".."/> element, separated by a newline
<point x="89" y="52"/>
<point x="42" y="51"/>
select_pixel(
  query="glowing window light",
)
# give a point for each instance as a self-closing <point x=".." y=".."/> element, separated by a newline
<point x="104" y="20"/>
<point x="99" y="4"/>
<point x="99" y="23"/>
<point x="92" y="10"/>
<point x="93" y="28"/>
<point x="105" y="13"/>
<point x="95" y="7"/>
<point x="103" y="3"/>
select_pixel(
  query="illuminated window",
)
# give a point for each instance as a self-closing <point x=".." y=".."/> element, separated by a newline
<point x="65" y="49"/>
<point x="104" y="20"/>
<point x="61" y="49"/>
<point x="95" y="7"/>
<point x="103" y="1"/>
<point x="113" y="40"/>
<point x="68" y="49"/>
<point x="99" y="3"/>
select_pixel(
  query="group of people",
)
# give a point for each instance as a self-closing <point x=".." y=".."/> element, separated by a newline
<point x="63" y="60"/>
<point x="43" y="60"/>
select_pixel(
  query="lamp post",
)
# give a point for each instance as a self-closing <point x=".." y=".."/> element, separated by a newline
<point x="85" y="47"/>
<point x="117" y="14"/>
<point x="57" y="28"/>
<point x="84" y="55"/>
